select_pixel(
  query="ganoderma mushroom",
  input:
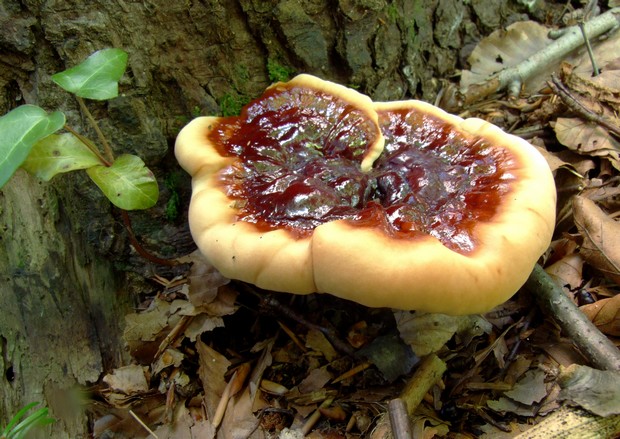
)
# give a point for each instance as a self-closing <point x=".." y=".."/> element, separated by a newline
<point x="315" y="188"/>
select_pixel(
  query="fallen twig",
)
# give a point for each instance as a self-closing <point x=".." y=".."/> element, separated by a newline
<point x="511" y="79"/>
<point x="427" y="374"/>
<point x="575" y="105"/>
<point x="399" y="420"/>
<point x="570" y="422"/>
<point x="593" y="344"/>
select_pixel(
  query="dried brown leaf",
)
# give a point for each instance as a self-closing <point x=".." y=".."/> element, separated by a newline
<point x="503" y="404"/>
<point x="239" y="421"/>
<point x="315" y="380"/>
<point x="607" y="54"/>
<point x="239" y="377"/>
<point x="148" y="325"/>
<point x="552" y="159"/>
<point x="211" y="370"/>
<point x="530" y="389"/>
<point x="170" y="357"/>
<point x="128" y="379"/>
<point x="202" y="323"/>
<point x="587" y="138"/>
<point x="567" y="271"/>
<point x="204" y="280"/>
<point x="180" y="427"/>
<point x="605" y="314"/>
<point x="317" y="341"/>
<point x="601" y="238"/>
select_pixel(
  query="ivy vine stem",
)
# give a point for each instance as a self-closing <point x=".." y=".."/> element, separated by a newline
<point x="89" y="145"/>
<point x="138" y="247"/>
<point x="93" y="123"/>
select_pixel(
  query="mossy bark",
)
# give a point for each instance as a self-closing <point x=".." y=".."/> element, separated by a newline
<point x="62" y="297"/>
<point x="61" y="305"/>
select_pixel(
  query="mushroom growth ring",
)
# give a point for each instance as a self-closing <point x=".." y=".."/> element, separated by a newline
<point x="316" y="188"/>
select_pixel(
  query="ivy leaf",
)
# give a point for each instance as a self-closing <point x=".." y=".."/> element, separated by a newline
<point x="128" y="183"/>
<point x="58" y="153"/>
<point x="20" y="129"/>
<point x="96" y="77"/>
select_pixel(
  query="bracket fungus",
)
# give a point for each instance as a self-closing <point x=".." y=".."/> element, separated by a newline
<point x="316" y="188"/>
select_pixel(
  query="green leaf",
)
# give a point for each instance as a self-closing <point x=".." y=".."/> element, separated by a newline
<point x="128" y="183"/>
<point x="20" y="129"/>
<point x="97" y="77"/>
<point x="18" y="430"/>
<point x="59" y="153"/>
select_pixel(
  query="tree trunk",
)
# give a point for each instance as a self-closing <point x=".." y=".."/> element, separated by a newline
<point x="61" y="307"/>
<point x="63" y="297"/>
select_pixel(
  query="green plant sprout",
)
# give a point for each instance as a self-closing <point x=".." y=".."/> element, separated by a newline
<point x="17" y="429"/>
<point x="29" y="140"/>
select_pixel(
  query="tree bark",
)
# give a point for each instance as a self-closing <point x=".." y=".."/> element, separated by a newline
<point x="63" y="297"/>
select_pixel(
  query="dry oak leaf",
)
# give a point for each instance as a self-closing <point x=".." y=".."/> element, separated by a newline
<point x="587" y="138"/>
<point x="567" y="271"/>
<point x="605" y="314"/>
<point x="601" y="238"/>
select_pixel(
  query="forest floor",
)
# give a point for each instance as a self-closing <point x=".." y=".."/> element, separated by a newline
<point x="219" y="358"/>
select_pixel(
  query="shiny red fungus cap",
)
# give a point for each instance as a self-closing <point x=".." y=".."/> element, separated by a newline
<point x="315" y="188"/>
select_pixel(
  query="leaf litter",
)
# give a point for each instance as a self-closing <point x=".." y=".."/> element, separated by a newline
<point x="220" y="359"/>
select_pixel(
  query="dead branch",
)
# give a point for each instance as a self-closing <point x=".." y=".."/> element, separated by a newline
<point x="575" y="105"/>
<point x="511" y="79"/>
<point x="430" y="370"/>
<point x="570" y="422"/>
<point x="593" y="344"/>
<point x="399" y="420"/>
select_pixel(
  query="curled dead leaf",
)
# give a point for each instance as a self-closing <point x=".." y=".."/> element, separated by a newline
<point x="605" y="314"/>
<point x="567" y="271"/>
<point x="601" y="238"/>
<point x="587" y="138"/>
<point x="128" y="379"/>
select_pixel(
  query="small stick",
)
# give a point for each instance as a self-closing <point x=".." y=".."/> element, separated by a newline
<point x="151" y="432"/>
<point x="595" y="346"/>
<point x="93" y="122"/>
<point x="314" y="418"/>
<point x="292" y="336"/>
<point x="587" y="11"/>
<point x="181" y="326"/>
<point x="575" y="105"/>
<point x="428" y="373"/>
<point x="223" y="403"/>
<point x="595" y="70"/>
<point x="399" y="420"/>
<point x="352" y="372"/>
